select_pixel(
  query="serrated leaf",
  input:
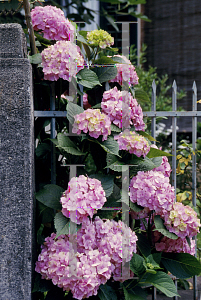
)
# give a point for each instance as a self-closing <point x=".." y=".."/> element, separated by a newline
<point x="131" y="295"/>
<point x="106" y="292"/>
<point x="181" y="265"/>
<point x="107" y="182"/>
<point x="61" y="224"/>
<point x="162" y="282"/>
<point x="115" y="128"/>
<point x="35" y="59"/>
<point x="72" y="110"/>
<point x="110" y="145"/>
<point x="46" y="214"/>
<point x="88" y="78"/>
<point x="50" y="196"/>
<point x="141" y="95"/>
<point x="105" y="73"/>
<point x="159" y="224"/>
<point x="145" y="164"/>
<point x="136" y="207"/>
<point x="65" y="143"/>
<point x="113" y="163"/>
<point x="149" y="137"/>
<point x="137" y="264"/>
<point x="156" y="153"/>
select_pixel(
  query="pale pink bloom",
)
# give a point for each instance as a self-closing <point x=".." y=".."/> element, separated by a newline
<point x="125" y="72"/>
<point x="62" y="60"/>
<point x="132" y="142"/>
<point x="182" y="220"/>
<point x="83" y="198"/>
<point x="120" y="105"/>
<point x="52" y="22"/>
<point x="152" y="190"/>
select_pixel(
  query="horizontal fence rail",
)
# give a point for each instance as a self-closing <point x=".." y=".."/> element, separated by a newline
<point x="153" y="114"/>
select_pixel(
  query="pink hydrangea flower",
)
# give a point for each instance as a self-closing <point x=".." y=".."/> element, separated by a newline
<point x="165" y="166"/>
<point x="182" y="220"/>
<point x="176" y="246"/>
<point x="152" y="190"/>
<point x="132" y="142"/>
<point x="52" y="22"/>
<point x="125" y="72"/>
<point x="90" y="269"/>
<point x="116" y="240"/>
<point x="62" y="60"/>
<point x="94" y="122"/>
<point x="82" y="198"/>
<point x="120" y="105"/>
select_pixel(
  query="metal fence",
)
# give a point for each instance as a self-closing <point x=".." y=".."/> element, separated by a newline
<point x="153" y="114"/>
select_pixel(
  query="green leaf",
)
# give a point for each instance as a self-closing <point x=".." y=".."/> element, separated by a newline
<point x="106" y="292"/>
<point x="88" y="78"/>
<point x="50" y="196"/>
<point x="105" y="60"/>
<point x="156" y="153"/>
<point x="145" y="164"/>
<point x="159" y="224"/>
<point x="107" y="182"/>
<point x="110" y="145"/>
<point x="65" y="143"/>
<point x="136" y="207"/>
<point x="108" y="17"/>
<point x="106" y="214"/>
<point x="72" y="110"/>
<point x="42" y="149"/>
<point x="150" y="260"/>
<point x="141" y="95"/>
<point x="35" y="59"/>
<point x="80" y="38"/>
<point x="131" y="295"/>
<point x="83" y="33"/>
<point x="113" y="163"/>
<point x="149" y="137"/>
<point x="143" y="245"/>
<point x="115" y="128"/>
<point x="105" y="73"/>
<point x="162" y="282"/>
<point x="41" y="285"/>
<point x="46" y="214"/>
<point x="181" y="265"/>
<point x="41" y="39"/>
<point x="61" y="224"/>
<point x="137" y="264"/>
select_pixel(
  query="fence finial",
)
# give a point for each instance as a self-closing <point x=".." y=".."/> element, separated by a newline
<point x="154" y="86"/>
<point x="194" y="88"/>
<point x="174" y="85"/>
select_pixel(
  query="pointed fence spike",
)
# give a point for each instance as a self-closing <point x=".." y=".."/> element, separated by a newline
<point x="194" y="88"/>
<point x="174" y="85"/>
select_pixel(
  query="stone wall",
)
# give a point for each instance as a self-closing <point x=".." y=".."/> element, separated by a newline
<point x="16" y="166"/>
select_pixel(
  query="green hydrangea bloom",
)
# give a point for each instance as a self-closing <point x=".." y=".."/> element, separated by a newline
<point x="100" y="38"/>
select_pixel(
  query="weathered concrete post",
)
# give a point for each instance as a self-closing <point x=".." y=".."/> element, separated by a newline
<point x="16" y="166"/>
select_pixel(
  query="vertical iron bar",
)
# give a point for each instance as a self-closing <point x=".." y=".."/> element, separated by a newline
<point x="174" y="136"/>
<point x="153" y="108"/>
<point x="194" y="139"/>
<point x="154" y="293"/>
<point x="53" y="134"/>
<point x="175" y="297"/>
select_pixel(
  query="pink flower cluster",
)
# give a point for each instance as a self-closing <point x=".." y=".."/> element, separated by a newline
<point x="99" y="245"/>
<point x="176" y="246"/>
<point x="122" y="106"/>
<point x="132" y="142"/>
<point x="94" y="122"/>
<point x="182" y="220"/>
<point x="62" y="60"/>
<point x="125" y="72"/>
<point x="82" y="198"/>
<point x="52" y="22"/>
<point x="90" y="269"/>
<point x="165" y="166"/>
<point x="152" y="190"/>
